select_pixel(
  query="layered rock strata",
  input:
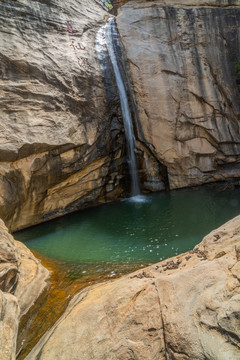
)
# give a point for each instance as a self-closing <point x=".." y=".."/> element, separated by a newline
<point x="62" y="143"/>
<point x="22" y="279"/>
<point x="186" y="307"/>
<point x="182" y="64"/>
<point x="61" y="135"/>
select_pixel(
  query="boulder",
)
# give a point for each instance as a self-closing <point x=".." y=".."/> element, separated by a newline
<point x="10" y="260"/>
<point x="9" y="318"/>
<point x="22" y="279"/>
<point x="186" y="307"/>
<point x="32" y="278"/>
<point x="20" y="272"/>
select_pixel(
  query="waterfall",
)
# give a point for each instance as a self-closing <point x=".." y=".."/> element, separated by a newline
<point x="111" y="38"/>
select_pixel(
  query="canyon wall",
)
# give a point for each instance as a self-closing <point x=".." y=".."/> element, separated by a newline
<point x="61" y="134"/>
<point x="223" y="3"/>
<point x="62" y="144"/>
<point x="182" y="65"/>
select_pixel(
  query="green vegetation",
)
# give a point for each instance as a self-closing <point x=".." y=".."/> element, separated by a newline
<point x="237" y="70"/>
<point x="107" y="4"/>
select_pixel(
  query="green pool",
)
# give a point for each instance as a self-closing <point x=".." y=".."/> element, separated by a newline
<point x="144" y="230"/>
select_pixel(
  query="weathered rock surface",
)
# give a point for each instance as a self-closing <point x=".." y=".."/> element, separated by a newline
<point x="119" y="3"/>
<point x="20" y="272"/>
<point x="186" y="307"/>
<point x="22" y="279"/>
<point x="182" y="60"/>
<point x="62" y="143"/>
<point x="9" y="260"/>
<point x="58" y="148"/>
<point x="32" y="278"/>
<point x="9" y="318"/>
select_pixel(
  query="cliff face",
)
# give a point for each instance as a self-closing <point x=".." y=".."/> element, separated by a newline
<point x="61" y="138"/>
<point x="183" y="308"/>
<point x="181" y="62"/>
<point x="62" y="144"/>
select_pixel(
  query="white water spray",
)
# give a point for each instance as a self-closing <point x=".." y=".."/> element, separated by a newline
<point x="108" y="35"/>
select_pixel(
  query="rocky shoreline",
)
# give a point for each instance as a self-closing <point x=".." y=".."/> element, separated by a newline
<point x="142" y="315"/>
<point x="186" y="307"/>
<point x="62" y="148"/>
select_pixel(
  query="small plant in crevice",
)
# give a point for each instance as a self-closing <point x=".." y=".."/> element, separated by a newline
<point x="237" y="70"/>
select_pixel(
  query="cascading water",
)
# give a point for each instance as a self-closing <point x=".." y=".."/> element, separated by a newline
<point x="108" y="36"/>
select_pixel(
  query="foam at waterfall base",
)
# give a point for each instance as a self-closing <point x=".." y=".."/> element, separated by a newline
<point x="138" y="199"/>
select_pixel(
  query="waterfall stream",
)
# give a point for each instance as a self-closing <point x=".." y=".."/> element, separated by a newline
<point x="108" y="36"/>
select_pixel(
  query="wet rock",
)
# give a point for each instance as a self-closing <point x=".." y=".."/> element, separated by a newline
<point x="189" y="311"/>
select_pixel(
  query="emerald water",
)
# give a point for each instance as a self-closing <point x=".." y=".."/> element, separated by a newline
<point x="146" y="230"/>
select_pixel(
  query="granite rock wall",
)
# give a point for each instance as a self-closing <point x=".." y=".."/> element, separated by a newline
<point x="61" y="135"/>
<point x="182" y="60"/>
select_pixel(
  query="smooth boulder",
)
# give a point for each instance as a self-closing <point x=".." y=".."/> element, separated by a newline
<point x="22" y="279"/>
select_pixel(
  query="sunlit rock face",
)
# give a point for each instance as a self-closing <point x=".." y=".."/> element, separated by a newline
<point x="8" y="326"/>
<point x="61" y="136"/>
<point x="62" y="144"/>
<point x="22" y="279"/>
<point x="186" y="307"/>
<point x="182" y="61"/>
<point x="224" y="3"/>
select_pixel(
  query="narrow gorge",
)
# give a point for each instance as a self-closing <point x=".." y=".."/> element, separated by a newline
<point x="119" y="153"/>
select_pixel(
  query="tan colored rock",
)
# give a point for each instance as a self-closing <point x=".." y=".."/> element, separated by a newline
<point x="20" y="272"/>
<point x="9" y="260"/>
<point x="186" y="307"/>
<point x="9" y="317"/>
<point x="9" y="309"/>
<point x="24" y="276"/>
<point x="119" y="3"/>
<point x="181" y="60"/>
<point x="32" y="279"/>
<point x="60" y="119"/>
<point x="56" y="115"/>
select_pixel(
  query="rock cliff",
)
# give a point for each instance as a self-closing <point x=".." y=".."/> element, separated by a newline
<point x="62" y="144"/>
<point x="22" y="279"/>
<point x="182" y="61"/>
<point x="61" y="135"/>
<point x="223" y="3"/>
<point x="186" y="307"/>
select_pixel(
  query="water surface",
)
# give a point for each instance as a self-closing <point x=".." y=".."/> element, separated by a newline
<point x="94" y="245"/>
<point x="142" y="230"/>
